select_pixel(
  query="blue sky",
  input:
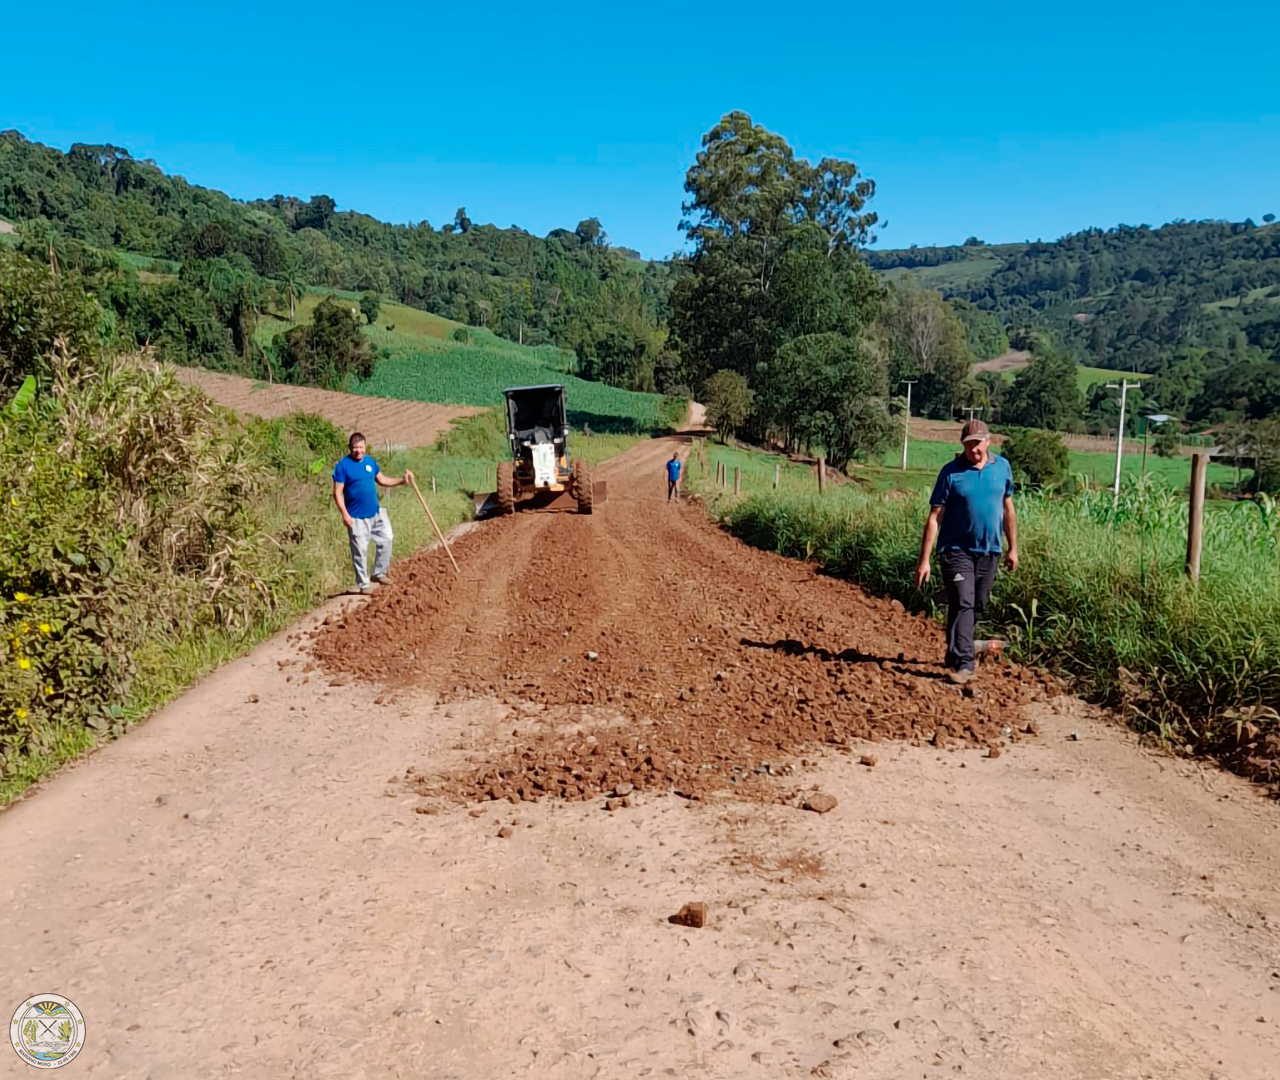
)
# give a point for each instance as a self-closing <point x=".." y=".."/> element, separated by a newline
<point x="1005" y="121"/>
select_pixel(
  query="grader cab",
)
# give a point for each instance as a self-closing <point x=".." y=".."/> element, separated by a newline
<point x="539" y="474"/>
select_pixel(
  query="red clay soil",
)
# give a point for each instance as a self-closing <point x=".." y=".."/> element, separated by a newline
<point x="695" y="659"/>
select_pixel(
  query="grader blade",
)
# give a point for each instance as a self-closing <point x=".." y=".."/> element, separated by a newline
<point x="486" y="504"/>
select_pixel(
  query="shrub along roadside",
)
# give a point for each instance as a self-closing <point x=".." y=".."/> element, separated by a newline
<point x="146" y="536"/>
<point x="1100" y="595"/>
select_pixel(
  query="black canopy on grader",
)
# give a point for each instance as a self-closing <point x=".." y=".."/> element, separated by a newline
<point x="540" y="474"/>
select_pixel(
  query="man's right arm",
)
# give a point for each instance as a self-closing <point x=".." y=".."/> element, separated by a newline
<point x="341" y="503"/>
<point x="931" y="525"/>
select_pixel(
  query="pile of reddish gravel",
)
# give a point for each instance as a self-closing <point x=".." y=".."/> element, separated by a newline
<point x="718" y="658"/>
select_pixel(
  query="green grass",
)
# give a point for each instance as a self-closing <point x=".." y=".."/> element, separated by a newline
<point x="925" y="458"/>
<point x="1254" y="295"/>
<point x="949" y="277"/>
<point x="1100" y="592"/>
<point x="960" y="276"/>
<point x="1097" y="468"/>
<point x="1087" y="376"/>
<point x="408" y="321"/>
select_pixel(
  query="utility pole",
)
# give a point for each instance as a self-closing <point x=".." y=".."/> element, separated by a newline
<point x="1124" y="388"/>
<point x="906" y="424"/>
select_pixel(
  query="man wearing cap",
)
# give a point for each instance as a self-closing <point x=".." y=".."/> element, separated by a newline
<point x="972" y="502"/>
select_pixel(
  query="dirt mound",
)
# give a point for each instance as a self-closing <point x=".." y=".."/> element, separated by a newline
<point x="694" y="661"/>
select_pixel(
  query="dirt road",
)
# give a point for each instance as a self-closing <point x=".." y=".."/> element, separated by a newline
<point x="286" y="874"/>
<point x="383" y="421"/>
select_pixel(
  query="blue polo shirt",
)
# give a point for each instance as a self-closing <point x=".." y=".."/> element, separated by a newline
<point x="673" y="470"/>
<point x="973" y="504"/>
<point x="359" y="488"/>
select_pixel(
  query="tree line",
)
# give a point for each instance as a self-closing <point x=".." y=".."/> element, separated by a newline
<point x="202" y="267"/>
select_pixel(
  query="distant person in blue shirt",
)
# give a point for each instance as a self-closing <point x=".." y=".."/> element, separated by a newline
<point x="971" y="502"/>
<point x="356" y="479"/>
<point x="673" y="477"/>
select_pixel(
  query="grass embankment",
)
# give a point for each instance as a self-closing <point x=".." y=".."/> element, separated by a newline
<point x="149" y="537"/>
<point x="422" y="360"/>
<point x="1100" y="595"/>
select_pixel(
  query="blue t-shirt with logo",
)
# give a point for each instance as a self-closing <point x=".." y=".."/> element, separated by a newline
<point x="673" y="470"/>
<point x="973" y="504"/>
<point x="359" y="489"/>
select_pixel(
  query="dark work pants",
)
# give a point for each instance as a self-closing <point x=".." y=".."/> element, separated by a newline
<point x="673" y="491"/>
<point x="968" y="579"/>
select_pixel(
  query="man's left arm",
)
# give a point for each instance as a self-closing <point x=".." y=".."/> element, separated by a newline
<point x="1010" y="518"/>
<point x="1011" y="533"/>
<point x="383" y="480"/>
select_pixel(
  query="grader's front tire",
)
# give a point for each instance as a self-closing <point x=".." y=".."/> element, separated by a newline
<point x="582" y="486"/>
<point x="506" y="488"/>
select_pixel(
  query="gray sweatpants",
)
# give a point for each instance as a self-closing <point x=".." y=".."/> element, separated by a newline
<point x="377" y="529"/>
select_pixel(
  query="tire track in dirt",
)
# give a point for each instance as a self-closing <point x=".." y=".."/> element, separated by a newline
<point x="691" y="659"/>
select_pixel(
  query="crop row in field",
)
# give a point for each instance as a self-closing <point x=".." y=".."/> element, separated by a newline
<point x="420" y="361"/>
<point x="456" y="374"/>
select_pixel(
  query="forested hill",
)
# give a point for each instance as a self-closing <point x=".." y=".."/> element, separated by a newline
<point x="1130" y="297"/>
<point x="569" y="287"/>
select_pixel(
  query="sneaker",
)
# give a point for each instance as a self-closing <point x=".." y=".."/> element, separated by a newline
<point x="365" y="590"/>
<point x="959" y="678"/>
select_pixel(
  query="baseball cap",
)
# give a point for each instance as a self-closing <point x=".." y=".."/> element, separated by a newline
<point x="974" y="431"/>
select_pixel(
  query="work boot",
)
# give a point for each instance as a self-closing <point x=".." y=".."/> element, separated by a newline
<point x="372" y="587"/>
<point x="959" y="678"/>
<point x="379" y="579"/>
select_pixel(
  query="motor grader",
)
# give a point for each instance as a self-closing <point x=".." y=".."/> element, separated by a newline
<point x="540" y="474"/>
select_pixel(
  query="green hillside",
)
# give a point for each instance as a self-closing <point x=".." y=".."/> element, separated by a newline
<point x="1195" y="304"/>
<point x="569" y="288"/>
<point x="419" y="359"/>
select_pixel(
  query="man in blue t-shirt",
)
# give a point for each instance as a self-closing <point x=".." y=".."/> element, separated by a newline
<point x="971" y="502"/>
<point x="356" y="479"/>
<point x="673" y="477"/>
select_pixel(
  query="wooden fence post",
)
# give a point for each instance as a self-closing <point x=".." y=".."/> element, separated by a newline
<point x="777" y="472"/>
<point x="737" y="480"/>
<point x="822" y="476"/>
<point x="433" y="484"/>
<point x="1195" y="515"/>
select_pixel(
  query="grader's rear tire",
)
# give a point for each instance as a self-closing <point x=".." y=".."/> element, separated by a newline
<point x="582" y="486"/>
<point x="506" y="487"/>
